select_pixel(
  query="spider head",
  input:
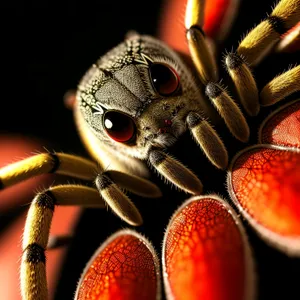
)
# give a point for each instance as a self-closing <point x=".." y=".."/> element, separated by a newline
<point x="137" y="97"/>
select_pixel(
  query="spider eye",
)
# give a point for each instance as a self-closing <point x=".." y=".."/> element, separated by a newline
<point x="119" y="126"/>
<point x="164" y="79"/>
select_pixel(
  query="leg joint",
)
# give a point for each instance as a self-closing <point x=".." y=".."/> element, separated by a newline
<point x="103" y="181"/>
<point x="234" y="61"/>
<point x="56" y="162"/>
<point x="213" y="90"/>
<point x="193" y="119"/>
<point x="34" y="253"/>
<point x="46" y="200"/>
<point x="194" y="28"/>
<point x="277" y="24"/>
<point x="157" y="157"/>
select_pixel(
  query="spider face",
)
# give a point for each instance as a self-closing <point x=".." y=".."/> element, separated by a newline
<point x="137" y="97"/>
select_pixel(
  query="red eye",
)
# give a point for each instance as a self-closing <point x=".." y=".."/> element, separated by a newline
<point x="164" y="78"/>
<point x="119" y="126"/>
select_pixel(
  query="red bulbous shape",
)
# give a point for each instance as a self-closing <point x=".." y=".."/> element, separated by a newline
<point x="264" y="184"/>
<point x="206" y="254"/>
<point x="125" y="267"/>
<point x="282" y="127"/>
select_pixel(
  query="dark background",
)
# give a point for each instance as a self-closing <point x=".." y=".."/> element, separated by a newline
<point x="47" y="47"/>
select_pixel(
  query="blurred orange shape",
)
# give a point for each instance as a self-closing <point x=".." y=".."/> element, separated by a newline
<point x="264" y="183"/>
<point x="218" y="18"/>
<point x="290" y="41"/>
<point x="206" y="253"/>
<point x="282" y="127"/>
<point x="124" y="267"/>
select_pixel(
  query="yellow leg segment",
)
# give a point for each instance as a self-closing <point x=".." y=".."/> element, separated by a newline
<point x="120" y="204"/>
<point x="229" y="111"/>
<point x="208" y="140"/>
<point x="134" y="184"/>
<point x="194" y="13"/>
<point x="202" y="56"/>
<point x="44" y="163"/>
<point x="244" y="83"/>
<point x="266" y="35"/>
<point x="36" y="234"/>
<point x="175" y="172"/>
<point x="76" y="167"/>
<point x="281" y="87"/>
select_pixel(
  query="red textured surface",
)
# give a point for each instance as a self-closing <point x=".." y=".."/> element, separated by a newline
<point x="205" y="253"/>
<point x="172" y="29"/>
<point x="124" y="269"/>
<point x="266" y="184"/>
<point x="283" y="128"/>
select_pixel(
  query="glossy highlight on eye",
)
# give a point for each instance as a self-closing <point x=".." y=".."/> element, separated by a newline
<point x="164" y="78"/>
<point x="119" y="126"/>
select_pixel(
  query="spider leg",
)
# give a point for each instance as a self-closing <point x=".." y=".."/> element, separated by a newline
<point x="135" y="184"/>
<point x="263" y="37"/>
<point x="44" y="163"/>
<point x="244" y="82"/>
<point x="194" y="13"/>
<point x="175" y="172"/>
<point x="202" y="56"/>
<point x="117" y="200"/>
<point x="229" y="111"/>
<point x="281" y="86"/>
<point x="82" y="168"/>
<point x="255" y="46"/>
<point x="206" y="66"/>
<point x="208" y="140"/>
<point x="36" y="233"/>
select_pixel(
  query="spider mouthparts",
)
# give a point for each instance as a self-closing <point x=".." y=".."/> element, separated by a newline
<point x="167" y="127"/>
<point x="164" y="130"/>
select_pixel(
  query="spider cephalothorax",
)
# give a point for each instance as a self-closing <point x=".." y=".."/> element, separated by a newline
<point x="137" y="100"/>
<point x="138" y="96"/>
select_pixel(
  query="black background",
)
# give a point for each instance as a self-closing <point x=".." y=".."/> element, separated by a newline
<point x="47" y="47"/>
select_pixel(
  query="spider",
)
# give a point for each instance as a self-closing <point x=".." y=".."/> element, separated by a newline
<point x="162" y="99"/>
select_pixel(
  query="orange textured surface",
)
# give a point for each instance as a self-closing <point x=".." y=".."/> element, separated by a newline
<point x="266" y="185"/>
<point x="283" y="128"/>
<point x="124" y="269"/>
<point x="172" y="29"/>
<point x="204" y="253"/>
